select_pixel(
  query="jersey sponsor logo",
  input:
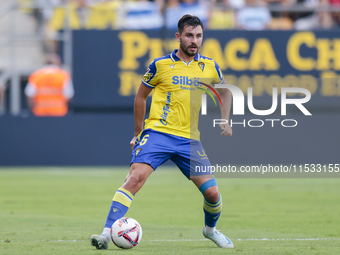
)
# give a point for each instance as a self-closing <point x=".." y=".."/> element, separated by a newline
<point x="184" y="80"/>
<point x="147" y="76"/>
<point x="187" y="88"/>
<point x="201" y="65"/>
<point x="166" y="109"/>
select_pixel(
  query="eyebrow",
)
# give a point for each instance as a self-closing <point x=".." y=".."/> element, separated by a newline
<point x="189" y="33"/>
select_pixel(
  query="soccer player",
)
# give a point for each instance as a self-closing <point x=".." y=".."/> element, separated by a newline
<point x="171" y="131"/>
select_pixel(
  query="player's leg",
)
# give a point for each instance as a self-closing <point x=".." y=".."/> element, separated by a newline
<point x="151" y="150"/>
<point x="138" y="174"/>
<point x="194" y="164"/>
<point x="212" y="204"/>
<point x="212" y="207"/>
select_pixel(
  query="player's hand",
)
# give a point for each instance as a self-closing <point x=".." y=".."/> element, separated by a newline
<point x="133" y="142"/>
<point x="227" y="131"/>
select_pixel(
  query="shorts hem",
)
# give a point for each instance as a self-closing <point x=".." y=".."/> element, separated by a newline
<point x="153" y="167"/>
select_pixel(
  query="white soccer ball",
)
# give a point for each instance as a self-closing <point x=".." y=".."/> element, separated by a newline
<point x="126" y="233"/>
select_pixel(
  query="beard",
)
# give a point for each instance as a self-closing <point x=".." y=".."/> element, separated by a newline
<point x="186" y="50"/>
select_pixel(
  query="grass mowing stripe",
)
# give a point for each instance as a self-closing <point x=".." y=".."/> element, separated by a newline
<point x="45" y="211"/>
<point x="199" y="240"/>
<point x="250" y="239"/>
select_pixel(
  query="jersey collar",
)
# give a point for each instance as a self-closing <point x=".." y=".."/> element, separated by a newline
<point x="175" y="58"/>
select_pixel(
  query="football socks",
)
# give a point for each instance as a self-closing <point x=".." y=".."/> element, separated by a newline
<point x="120" y="205"/>
<point x="212" y="211"/>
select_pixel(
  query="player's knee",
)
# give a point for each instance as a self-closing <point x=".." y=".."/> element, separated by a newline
<point x="210" y="191"/>
<point x="137" y="176"/>
<point x="212" y="194"/>
<point x="134" y="180"/>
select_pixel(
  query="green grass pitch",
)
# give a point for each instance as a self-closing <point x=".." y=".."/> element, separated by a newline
<point x="55" y="211"/>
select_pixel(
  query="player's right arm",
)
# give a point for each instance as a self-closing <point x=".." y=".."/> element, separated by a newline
<point x="139" y="110"/>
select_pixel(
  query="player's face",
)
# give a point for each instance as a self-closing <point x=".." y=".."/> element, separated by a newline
<point x="190" y="40"/>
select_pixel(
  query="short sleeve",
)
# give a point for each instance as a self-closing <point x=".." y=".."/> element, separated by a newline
<point x="150" y="79"/>
<point x="219" y="79"/>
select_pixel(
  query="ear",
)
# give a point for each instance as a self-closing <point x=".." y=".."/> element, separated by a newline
<point x="177" y="36"/>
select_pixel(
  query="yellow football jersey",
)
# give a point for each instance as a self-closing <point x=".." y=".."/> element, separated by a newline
<point x="176" y="99"/>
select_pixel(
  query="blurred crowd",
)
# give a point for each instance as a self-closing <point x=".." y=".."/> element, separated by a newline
<point x="54" y="16"/>
<point x="216" y="14"/>
<point x="58" y="15"/>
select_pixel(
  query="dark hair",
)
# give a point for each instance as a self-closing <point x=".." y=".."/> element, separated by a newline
<point x="188" y="20"/>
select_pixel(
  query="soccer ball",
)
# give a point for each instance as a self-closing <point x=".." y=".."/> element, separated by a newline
<point x="126" y="233"/>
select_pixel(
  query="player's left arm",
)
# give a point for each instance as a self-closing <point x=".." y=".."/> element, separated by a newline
<point x="226" y="98"/>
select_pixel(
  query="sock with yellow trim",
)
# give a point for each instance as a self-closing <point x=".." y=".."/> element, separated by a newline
<point x="212" y="211"/>
<point x="120" y="205"/>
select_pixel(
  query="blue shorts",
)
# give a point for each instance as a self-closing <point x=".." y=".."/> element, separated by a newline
<point x="155" y="148"/>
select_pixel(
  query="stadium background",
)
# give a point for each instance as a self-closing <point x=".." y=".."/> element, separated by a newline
<point x="49" y="208"/>
<point x="107" y="63"/>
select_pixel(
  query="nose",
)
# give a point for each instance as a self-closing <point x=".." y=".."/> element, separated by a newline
<point x="195" y="40"/>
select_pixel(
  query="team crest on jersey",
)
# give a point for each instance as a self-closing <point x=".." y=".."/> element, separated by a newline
<point x="201" y="65"/>
<point x="147" y="76"/>
<point x="172" y="66"/>
<point x="138" y="150"/>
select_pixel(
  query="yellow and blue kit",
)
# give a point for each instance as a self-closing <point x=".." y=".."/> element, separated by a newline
<point x="171" y="131"/>
<point x="176" y="99"/>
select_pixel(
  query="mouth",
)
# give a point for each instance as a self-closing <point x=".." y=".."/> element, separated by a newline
<point x="192" y="47"/>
